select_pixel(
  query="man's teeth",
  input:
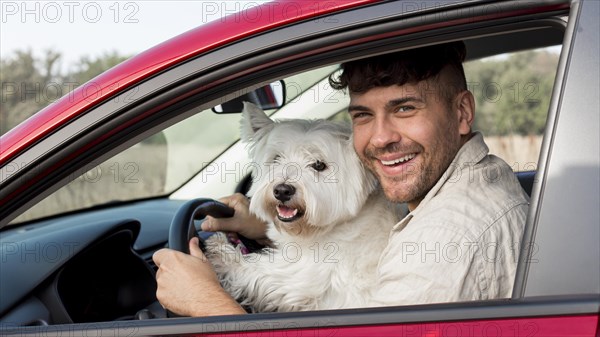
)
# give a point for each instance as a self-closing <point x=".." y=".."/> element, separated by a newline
<point x="399" y="160"/>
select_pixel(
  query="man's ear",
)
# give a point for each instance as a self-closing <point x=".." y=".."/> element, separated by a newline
<point x="253" y="120"/>
<point x="465" y="107"/>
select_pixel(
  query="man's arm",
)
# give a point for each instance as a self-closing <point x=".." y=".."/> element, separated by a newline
<point x="188" y="286"/>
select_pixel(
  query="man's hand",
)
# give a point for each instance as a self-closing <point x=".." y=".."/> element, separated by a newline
<point x="188" y="286"/>
<point x="242" y="222"/>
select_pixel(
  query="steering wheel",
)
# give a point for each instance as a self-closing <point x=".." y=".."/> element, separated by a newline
<point x="183" y="229"/>
<point x="182" y="226"/>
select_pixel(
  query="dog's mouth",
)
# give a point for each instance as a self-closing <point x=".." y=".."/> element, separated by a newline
<point x="288" y="214"/>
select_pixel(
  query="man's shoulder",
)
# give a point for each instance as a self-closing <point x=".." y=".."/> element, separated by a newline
<point x="477" y="198"/>
<point x="489" y="181"/>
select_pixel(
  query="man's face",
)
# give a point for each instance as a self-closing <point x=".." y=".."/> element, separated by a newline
<point x="407" y="136"/>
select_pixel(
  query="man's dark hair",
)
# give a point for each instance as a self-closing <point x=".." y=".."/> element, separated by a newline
<point x="409" y="66"/>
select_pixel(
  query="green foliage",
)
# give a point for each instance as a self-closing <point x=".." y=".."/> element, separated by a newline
<point x="512" y="94"/>
<point x="88" y="68"/>
<point x="29" y="84"/>
<point x="23" y="79"/>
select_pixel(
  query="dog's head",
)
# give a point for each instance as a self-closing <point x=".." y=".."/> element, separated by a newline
<point x="307" y="176"/>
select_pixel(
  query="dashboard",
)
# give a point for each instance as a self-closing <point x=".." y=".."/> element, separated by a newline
<point x="90" y="266"/>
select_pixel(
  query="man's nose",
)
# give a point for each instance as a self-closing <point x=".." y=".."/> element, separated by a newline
<point x="385" y="132"/>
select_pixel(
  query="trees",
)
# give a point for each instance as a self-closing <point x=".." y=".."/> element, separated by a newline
<point x="29" y="84"/>
<point x="504" y="87"/>
<point x="24" y="82"/>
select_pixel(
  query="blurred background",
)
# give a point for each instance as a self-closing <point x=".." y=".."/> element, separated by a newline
<point x="48" y="48"/>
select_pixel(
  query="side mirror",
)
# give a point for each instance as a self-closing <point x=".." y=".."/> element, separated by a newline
<point x="271" y="96"/>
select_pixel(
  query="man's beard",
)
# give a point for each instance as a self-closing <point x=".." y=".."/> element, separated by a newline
<point x="425" y="173"/>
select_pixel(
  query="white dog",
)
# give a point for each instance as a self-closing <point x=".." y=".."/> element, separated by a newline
<point x="328" y="220"/>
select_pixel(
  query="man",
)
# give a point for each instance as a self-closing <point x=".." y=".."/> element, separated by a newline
<point x="412" y="115"/>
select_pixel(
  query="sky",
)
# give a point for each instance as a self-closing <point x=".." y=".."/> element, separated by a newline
<point x="93" y="28"/>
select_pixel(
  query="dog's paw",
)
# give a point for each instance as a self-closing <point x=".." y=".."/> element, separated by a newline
<point x="220" y="252"/>
<point x="218" y="238"/>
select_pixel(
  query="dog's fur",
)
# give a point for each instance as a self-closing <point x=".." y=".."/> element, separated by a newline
<point x="326" y="256"/>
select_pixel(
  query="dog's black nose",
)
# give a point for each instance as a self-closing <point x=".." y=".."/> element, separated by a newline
<point x="283" y="192"/>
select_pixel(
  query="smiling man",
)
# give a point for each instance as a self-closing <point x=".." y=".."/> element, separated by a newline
<point x="412" y="115"/>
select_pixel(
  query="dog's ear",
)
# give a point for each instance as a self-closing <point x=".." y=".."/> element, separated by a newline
<point x="253" y="119"/>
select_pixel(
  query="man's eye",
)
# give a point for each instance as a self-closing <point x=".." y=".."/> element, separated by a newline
<point x="405" y="108"/>
<point x="276" y="158"/>
<point x="358" y="115"/>
<point x="318" y="166"/>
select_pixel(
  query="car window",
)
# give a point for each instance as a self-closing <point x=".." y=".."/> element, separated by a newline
<point x="512" y="93"/>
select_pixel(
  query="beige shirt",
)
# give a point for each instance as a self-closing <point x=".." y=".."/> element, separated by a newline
<point x="462" y="242"/>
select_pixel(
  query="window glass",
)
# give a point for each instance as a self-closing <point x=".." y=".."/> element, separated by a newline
<point x="162" y="163"/>
<point x="512" y="95"/>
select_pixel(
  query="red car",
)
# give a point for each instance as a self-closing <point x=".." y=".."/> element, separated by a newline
<point x="90" y="184"/>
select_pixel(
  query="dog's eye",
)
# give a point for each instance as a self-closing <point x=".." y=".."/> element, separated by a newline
<point x="276" y="158"/>
<point x="318" y="166"/>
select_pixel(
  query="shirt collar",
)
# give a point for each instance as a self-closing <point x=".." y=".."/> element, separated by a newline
<point x="472" y="152"/>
